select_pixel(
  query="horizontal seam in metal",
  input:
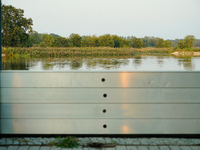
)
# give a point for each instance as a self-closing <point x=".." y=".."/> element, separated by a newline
<point x="105" y="87"/>
<point x="108" y="118"/>
<point x="96" y="103"/>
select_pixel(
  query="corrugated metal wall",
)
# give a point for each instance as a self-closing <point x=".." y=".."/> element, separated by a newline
<point x="100" y="102"/>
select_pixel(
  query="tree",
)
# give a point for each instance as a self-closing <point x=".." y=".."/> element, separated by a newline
<point x="60" y="42"/>
<point x="76" y="40"/>
<point x="189" y="41"/>
<point x="47" y="40"/>
<point x="159" y="43"/>
<point x="145" y="42"/>
<point x="126" y="43"/>
<point x="152" y="41"/>
<point x="118" y="41"/>
<point x="163" y="43"/>
<point x="167" y="43"/>
<point x="106" y="40"/>
<point x="14" y="27"/>
<point x="197" y="44"/>
<point x="180" y="44"/>
<point x="33" y="40"/>
<point x="149" y="41"/>
<point x="91" y="41"/>
<point x="136" y="42"/>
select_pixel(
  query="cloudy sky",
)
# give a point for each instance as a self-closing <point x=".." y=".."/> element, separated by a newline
<point x="168" y="19"/>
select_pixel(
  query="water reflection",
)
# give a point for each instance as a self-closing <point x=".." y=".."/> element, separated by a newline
<point x="187" y="63"/>
<point x="111" y="63"/>
<point x="60" y="63"/>
<point x="135" y="63"/>
<point x="160" y="60"/>
<point x="15" y="64"/>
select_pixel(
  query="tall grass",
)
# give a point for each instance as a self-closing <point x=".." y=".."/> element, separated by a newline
<point x="38" y="52"/>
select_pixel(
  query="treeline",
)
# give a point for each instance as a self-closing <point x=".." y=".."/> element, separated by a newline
<point x="17" y="32"/>
<point x="75" y="40"/>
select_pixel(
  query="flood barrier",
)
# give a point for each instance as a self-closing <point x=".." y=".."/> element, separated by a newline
<point x="100" y="102"/>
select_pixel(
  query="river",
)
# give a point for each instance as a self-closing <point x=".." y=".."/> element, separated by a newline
<point x="140" y="62"/>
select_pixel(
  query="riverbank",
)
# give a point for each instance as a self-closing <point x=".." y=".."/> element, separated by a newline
<point x="38" y="52"/>
<point x="185" y="53"/>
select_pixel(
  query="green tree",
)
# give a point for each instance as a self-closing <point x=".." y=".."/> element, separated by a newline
<point x="197" y="44"/>
<point x="175" y="43"/>
<point x="47" y="40"/>
<point x="118" y="41"/>
<point x="91" y="41"/>
<point x="136" y="42"/>
<point x="126" y="43"/>
<point x="180" y="44"/>
<point x="33" y="40"/>
<point x="167" y="43"/>
<point x="95" y="40"/>
<point x="152" y="41"/>
<point x="61" y="42"/>
<point x="189" y="41"/>
<point x="83" y="41"/>
<point x="163" y="43"/>
<point x="106" y="40"/>
<point x="14" y="26"/>
<point x="159" y="43"/>
<point x="76" y="40"/>
<point x="145" y="42"/>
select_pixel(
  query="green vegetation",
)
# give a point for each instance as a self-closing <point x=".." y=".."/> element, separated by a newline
<point x="69" y="142"/>
<point x="187" y="42"/>
<point x="14" y="27"/>
<point x="163" y="43"/>
<point x="107" y="40"/>
<point x="37" y="52"/>
<point x="136" y="42"/>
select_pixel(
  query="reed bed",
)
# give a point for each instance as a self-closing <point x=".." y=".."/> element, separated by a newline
<point x="38" y="52"/>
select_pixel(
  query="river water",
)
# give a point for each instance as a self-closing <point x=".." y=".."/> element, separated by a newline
<point x="140" y="62"/>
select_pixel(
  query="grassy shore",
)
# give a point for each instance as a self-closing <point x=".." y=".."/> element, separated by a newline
<point x="38" y="52"/>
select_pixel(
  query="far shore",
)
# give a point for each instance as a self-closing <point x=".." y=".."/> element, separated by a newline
<point x="40" y="52"/>
<point x="186" y="53"/>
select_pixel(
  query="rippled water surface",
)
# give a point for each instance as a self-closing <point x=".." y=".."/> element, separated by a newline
<point x="134" y="63"/>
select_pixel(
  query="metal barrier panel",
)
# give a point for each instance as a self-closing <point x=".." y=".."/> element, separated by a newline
<point x="100" y="102"/>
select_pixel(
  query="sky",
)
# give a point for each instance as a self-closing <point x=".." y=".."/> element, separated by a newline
<point x="167" y="19"/>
